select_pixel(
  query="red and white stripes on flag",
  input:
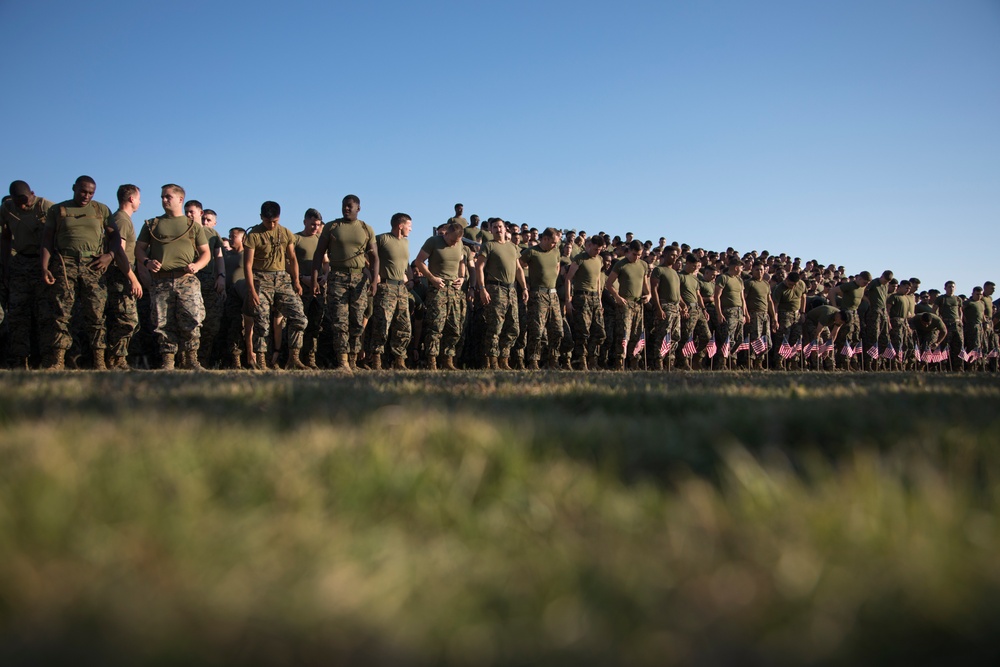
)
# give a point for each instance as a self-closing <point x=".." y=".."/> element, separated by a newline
<point x="640" y="346"/>
<point x="890" y="352"/>
<point x="725" y="349"/>
<point x="873" y="351"/>
<point x="786" y="351"/>
<point x="665" y="346"/>
<point x="848" y="351"/>
<point x="689" y="348"/>
<point x="711" y="348"/>
<point x="759" y="346"/>
<point x="745" y="345"/>
<point x="826" y="347"/>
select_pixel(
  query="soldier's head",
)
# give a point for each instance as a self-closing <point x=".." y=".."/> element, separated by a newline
<point x="886" y="277"/>
<point x="499" y="229"/>
<point x="401" y="222"/>
<point x="547" y="240"/>
<point x="312" y="222"/>
<point x="949" y="288"/>
<point x="691" y="263"/>
<point x="474" y="221"/>
<point x="925" y="319"/>
<point x="933" y="294"/>
<point x="709" y="272"/>
<point x="735" y="266"/>
<point x="595" y="245"/>
<point x="22" y="195"/>
<point x="453" y="233"/>
<point x="903" y="287"/>
<point x="757" y="270"/>
<point x="194" y="210"/>
<point x="129" y="195"/>
<point x="633" y="251"/>
<point x="977" y="294"/>
<point x="270" y="213"/>
<point x="172" y="199"/>
<point x="209" y="218"/>
<point x="863" y="278"/>
<point x="236" y="235"/>
<point x="565" y="249"/>
<point x="792" y="278"/>
<point x="458" y="210"/>
<point x="669" y="255"/>
<point x="83" y="190"/>
<point x="350" y="207"/>
<point x="988" y="288"/>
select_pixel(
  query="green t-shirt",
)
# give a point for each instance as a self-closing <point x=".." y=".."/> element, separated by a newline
<point x="485" y="235"/>
<point x="988" y="305"/>
<point x="443" y="260"/>
<point x="214" y="243"/>
<point x="949" y="308"/>
<point x="935" y="323"/>
<point x="472" y="233"/>
<point x="707" y="289"/>
<point x="234" y="270"/>
<point x="393" y="256"/>
<point x="269" y="246"/>
<point x="877" y="293"/>
<point x="501" y="261"/>
<point x="921" y="308"/>
<point x="757" y="292"/>
<point x="347" y="242"/>
<point x="588" y="273"/>
<point x="851" y="294"/>
<point x="305" y="250"/>
<point x="732" y="291"/>
<point x="630" y="277"/>
<point x="897" y="305"/>
<point x="975" y="312"/>
<point x="81" y="229"/>
<point x="822" y="315"/>
<point x="127" y="229"/>
<point x="690" y="285"/>
<point x="25" y="226"/>
<point x="787" y="299"/>
<point x="668" y="284"/>
<point x="459" y="219"/>
<point x="173" y="241"/>
<point x="542" y="267"/>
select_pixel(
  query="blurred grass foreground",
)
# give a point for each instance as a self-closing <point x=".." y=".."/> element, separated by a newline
<point x="484" y="519"/>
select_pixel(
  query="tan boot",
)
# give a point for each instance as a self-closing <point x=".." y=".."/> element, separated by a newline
<point x="345" y="365"/>
<point x="591" y="363"/>
<point x="99" y="364"/>
<point x="376" y="362"/>
<point x="294" y="363"/>
<point x="581" y="364"/>
<point x="191" y="360"/>
<point x="117" y="363"/>
<point x="532" y="365"/>
<point x="168" y="361"/>
<point x="352" y="359"/>
<point x="503" y="363"/>
<point x="237" y="363"/>
<point x="491" y="363"/>
<point x="399" y="363"/>
<point x="311" y="360"/>
<point x="449" y="363"/>
<point x="56" y="361"/>
<point x="432" y="363"/>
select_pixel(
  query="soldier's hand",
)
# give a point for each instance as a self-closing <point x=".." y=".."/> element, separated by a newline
<point x="190" y="268"/>
<point x="375" y="285"/>
<point x="569" y="308"/>
<point x="136" y="287"/>
<point x="436" y="282"/>
<point x="297" y="286"/>
<point x="101" y="262"/>
<point x="316" y="289"/>
<point x="645" y="298"/>
<point x="48" y="277"/>
<point x="220" y="285"/>
<point x="484" y="296"/>
<point x="746" y="318"/>
<point x="524" y="297"/>
<point x="254" y="298"/>
<point x="154" y="265"/>
<point x="660" y="315"/>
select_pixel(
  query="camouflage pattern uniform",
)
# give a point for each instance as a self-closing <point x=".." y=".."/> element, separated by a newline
<point x="443" y="319"/>
<point x="26" y="289"/>
<point x="214" y="302"/>
<point x="348" y="288"/>
<point x="391" y="318"/>
<point x="121" y="313"/>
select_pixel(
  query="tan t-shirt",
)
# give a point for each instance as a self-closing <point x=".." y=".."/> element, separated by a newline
<point x="269" y="247"/>
<point x="173" y="241"/>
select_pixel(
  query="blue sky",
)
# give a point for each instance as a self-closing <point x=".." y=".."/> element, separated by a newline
<point x="859" y="133"/>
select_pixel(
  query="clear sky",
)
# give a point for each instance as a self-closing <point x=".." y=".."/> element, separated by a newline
<point x="863" y="133"/>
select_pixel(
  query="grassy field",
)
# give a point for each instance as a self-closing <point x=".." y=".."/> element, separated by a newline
<point x="475" y="518"/>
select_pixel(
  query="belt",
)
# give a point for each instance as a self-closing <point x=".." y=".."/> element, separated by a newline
<point x="544" y="290"/>
<point x="76" y="254"/>
<point x="170" y="275"/>
<point x="669" y="304"/>
<point x="499" y="283"/>
<point x="271" y="271"/>
<point x="32" y="255"/>
<point x="693" y="304"/>
<point x="394" y="282"/>
<point x="586" y="292"/>
<point x="345" y="270"/>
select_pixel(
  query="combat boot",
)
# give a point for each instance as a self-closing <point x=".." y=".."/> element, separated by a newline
<point x="237" y="363"/>
<point x="399" y="363"/>
<point x="532" y="365"/>
<point x="581" y="364"/>
<point x="19" y="364"/>
<point x="449" y="363"/>
<point x="117" y="363"/>
<point x="352" y="360"/>
<point x="503" y="364"/>
<point x="294" y="363"/>
<point x="432" y="363"/>
<point x="311" y="360"/>
<point x="492" y="364"/>
<point x="516" y="363"/>
<point x="553" y="362"/>
<point x="590" y="363"/>
<point x="55" y="361"/>
<point x="191" y="360"/>
<point x="168" y="361"/>
<point x="376" y="362"/>
<point x="345" y="365"/>
<point x="99" y="362"/>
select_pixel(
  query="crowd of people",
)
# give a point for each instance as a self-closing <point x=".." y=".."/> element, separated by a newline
<point x="83" y="288"/>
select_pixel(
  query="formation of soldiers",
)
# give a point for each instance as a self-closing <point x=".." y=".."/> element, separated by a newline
<point x="83" y="289"/>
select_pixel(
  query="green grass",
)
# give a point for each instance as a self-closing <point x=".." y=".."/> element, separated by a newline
<point x="480" y="518"/>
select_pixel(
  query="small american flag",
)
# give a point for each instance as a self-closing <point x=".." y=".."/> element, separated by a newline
<point x="745" y="345"/>
<point x="665" y="346"/>
<point x="963" y="355"/>
<point x="798" y="346"/>
<point x="759" y="346"/>
<point x="689" y="348"/>
<point x="873" y="351"/>
<point x="711" y="348"/>
<point x="640" y="346"/>
<point x="785" y="350"/>
<point x="826" y="347"/>
<point x="725" y="349"/>
<point x="624" y="344"/>
<point x="975" y="355"/>
<point x="848" y="351"/>
<point x="808" y="349"/>
<point x="859" y="348"/>
<point x="994" y="353"/>
<point x="890" y="352"/>
<point x="916" y="352"/>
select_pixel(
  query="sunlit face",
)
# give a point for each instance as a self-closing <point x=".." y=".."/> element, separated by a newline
<point x="193" y="213"/>
<point x="452" y="237"/>
<point x="312" y="226"/>
<point x="350" y="209"/>
<point x="632" y="255"/>
<point x="500" y="232"/>
<point x="83" y="193"/>
<point x="405" y="227"/>
<point x="209" y="220"/>
<point x="235" y="238"/>
<point x="757" y="272"/>
<point x="137" y="200"/>
<point x="547" y="243"/>
<point x="171" y="200"/>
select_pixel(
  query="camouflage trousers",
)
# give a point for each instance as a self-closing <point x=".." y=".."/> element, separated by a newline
<point x="588" y="324"/>
<point x="502" y="325"/>
<point x="696" y="327"/>
<point x="789" y="325"/>
<point x="121" y="313"/>
<point x="733" y="327"/>
<point x="876" y="329"/>
<point x="215" y="304"/>
<point x="900" y="334"/>
<point x="974" y="337"/>
<point x="346" y="302"/>
<point x="544" y="315"/>
<point x="232" y="319"/>
<point x="850" y="331"/>
<point x="669" y="325"/>
<point x="628" y="327"/>
<point x="177" y="311"/>
<point x="274" y="289"/>
<point x="443" y="320"/>
<point x="314" y="307"/>
<point x="24" y="305"/>
<point x="74" y="280"/>
<point x="391" y="319"/>
<point x="759" y="326"/>
<point x="955" y="340"/>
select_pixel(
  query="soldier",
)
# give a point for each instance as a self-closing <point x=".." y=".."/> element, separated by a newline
<point x="731" y="305"/>
<point x="174" y="248"/>
<point x="823" y="320"/>
<point x="973" y="316"/>
<point x="22" y="217"/>
<point x="544" y="310"/>
<point x="929" y="329"/>
<point x="213" y="281"/>
<point x="313" y="305"/>
<point x="347" y="242"/>
<point x="391" y="315"/>
<point x="440" y="261"/>
<point x="877" y="324"/>
<point x="583" y="302"/>
<point x="761" y="312"/>
<point x="695" y="314"/>
<point x="459" y="209"/>
<point x="628" y="285"/>
<point x="665" y="284"/>
<point x="848" y="296"/>
<point x="268" y="250"/>
<point x="121" y="313"/>
<point x="75" y="234"/>
<point x="949" y="308"/>
<point x="897" y="306"/>
<point x="234" y="322"/>
<point x="497" y="271"/>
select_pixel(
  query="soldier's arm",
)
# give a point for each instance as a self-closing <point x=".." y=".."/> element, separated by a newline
<point x="5" y="242"/>
<point x="645" y="289"/>
<point x="220" y="271"/>
<point x="421" y="264"/>
<point x="654" y="290"/>
<point x="373" y="262"/>
<point x="46" y="254"/>
<point x="319" y="257"/>
<point x="141" y="261"/>
<point x="717" y="300"/>
<point x="204" y="256"/>
<point x="521" y="281"/>
<point x="609" y="287"/>
<point x="746" y="313"/>
<point x="248" y="276"/>
<point x="293" y="268"/>
<point x="484" y="296"/>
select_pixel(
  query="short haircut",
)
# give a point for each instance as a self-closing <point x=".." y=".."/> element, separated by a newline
<point x="950" y="282"/>
<point x="397" y="219"/>
<point x="176" y="189"/>
<point x="635" y="246"/>
<point x="691" y="259"/>
<point x="989" y="283"/>
<point x="194" y="203"/>
<point x="270" y="210"/>
<point x="453" y="227"/>
<point x="238" y="230"/>
<point x="84" y="179"/>
<point x="735" y="261"/>
<point x="548" y="232"/>
<point x="126" y="191"/>
<point x="887" y="274"/>
<point x="209" y="211"/>
<point x="598" y="241"/>
<point x="20" y="188"/>
<point x="865" y="275"/>
<point x="352" y="198"/>
<point x="312" y="214"/>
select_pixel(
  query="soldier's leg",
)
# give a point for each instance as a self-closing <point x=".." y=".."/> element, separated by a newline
<point x="534" y="324"/>
<point x="120" y="313"/>
<point x="93" y="299"/>
<point x="59" y="303"/>
<point x="434" y="317"/>
<point x="163" y="304"/>
<point x="400" y="328"/>
<point x="289" y="304"/>
<point x="496" y="312"/>
<point x="213" y="316"/>
<point x="511" y="329"/>
<point x="190" y="311"/>
<point x="357" y="311"/>
<point x="553" y="324"/>
<point x="337" y="310"/>
<point x="383" y="310"/>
